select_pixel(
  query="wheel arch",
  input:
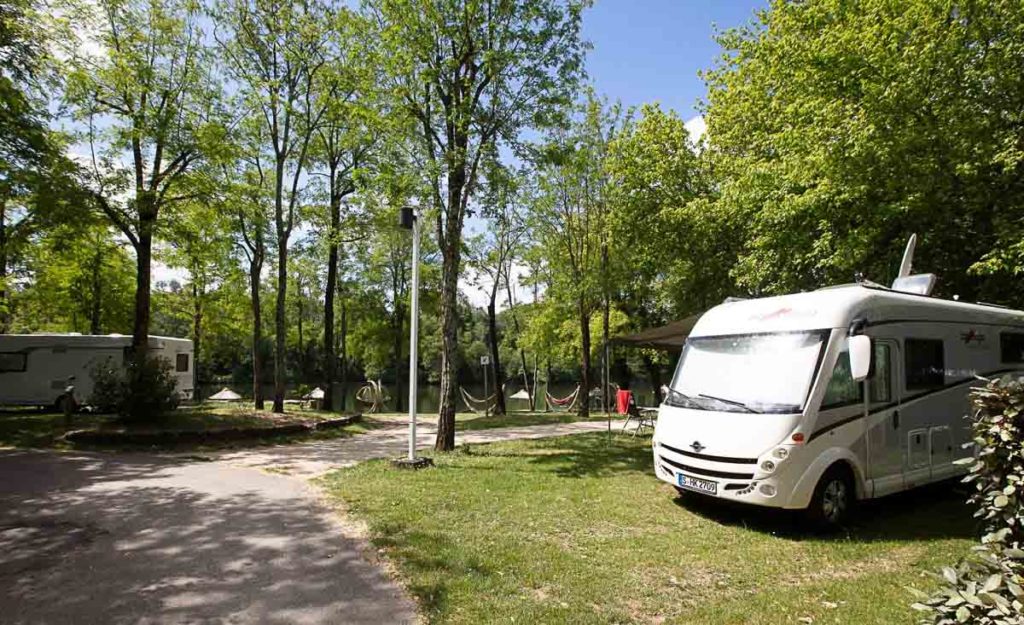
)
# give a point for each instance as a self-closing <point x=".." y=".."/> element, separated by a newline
<point x="832" y="457"/>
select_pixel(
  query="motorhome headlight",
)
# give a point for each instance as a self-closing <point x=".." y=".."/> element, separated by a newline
<point x="781" y="453"/>
<point x="767" y="490"/>
<point x="767" y="466"/>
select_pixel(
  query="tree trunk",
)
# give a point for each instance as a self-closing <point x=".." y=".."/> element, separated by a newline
<point x="522" y="352"/>
<point x="143" y="266"/>
<point x="96" y="309"/>
<point x="280" y="323"/>
<point x="197" y="334"/>
<point x="397" y="326"/>
<point x="344" y="354"/>
<point x="255" y="269"/>
<point x="449" y="347"/>
<point x="605" y="382"/>
<point x="332" y="281"/>
<point x="492" y="333"/>
<point x="5" y="314"/>
<point x="583" y="406"/>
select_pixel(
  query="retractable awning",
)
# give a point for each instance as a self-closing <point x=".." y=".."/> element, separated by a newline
<point x="669" y="337"/>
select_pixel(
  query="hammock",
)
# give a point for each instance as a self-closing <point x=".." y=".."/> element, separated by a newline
<point x="485" y="404"/>
<point x="373" y="395"/>
<point x="566" y="403"/>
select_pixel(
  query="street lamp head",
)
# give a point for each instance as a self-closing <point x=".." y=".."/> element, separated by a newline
<point x="406" y="217"/>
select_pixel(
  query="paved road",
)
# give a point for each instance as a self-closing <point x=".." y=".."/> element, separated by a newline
<point x="144" y="539"/>
<point x="312" y="459"/>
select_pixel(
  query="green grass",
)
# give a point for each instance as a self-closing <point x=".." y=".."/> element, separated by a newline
<point x="577" y="530"/>
<point x="36" y="428"/>
<point x="468" y="421"/>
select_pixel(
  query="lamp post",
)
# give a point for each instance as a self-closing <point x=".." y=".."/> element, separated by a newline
<point x="408" y="219"/>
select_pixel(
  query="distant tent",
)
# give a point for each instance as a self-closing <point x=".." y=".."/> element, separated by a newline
<point x="520" y="394"/>
<point x="317" y="393"/>
<point x="225" y="394"/>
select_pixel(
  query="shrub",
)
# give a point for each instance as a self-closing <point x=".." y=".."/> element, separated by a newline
<point x="987" y="588"/>
<point x="140" y="390"/>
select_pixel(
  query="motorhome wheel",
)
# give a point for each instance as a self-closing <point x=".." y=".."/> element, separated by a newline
<point x="833" y="500"/>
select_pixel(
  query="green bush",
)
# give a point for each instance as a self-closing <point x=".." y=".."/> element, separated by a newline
<point x="140" y="390"/>
<point x="987" y="588"/>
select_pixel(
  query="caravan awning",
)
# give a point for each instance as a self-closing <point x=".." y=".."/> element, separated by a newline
<point x="669" y="337"/>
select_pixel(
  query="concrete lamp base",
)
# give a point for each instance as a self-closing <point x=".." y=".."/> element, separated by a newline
<point x="418" y="463"/>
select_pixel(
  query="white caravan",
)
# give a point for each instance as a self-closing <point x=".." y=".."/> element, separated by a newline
<point x="36" y="369"/>
<point x="813" y="400"/>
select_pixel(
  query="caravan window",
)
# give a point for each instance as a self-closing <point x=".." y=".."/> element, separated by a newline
<point x="1011" y="347"/>
<point x="181" y="365"/>
<point x="881" y="379"/>
<point x="925" y="364"/>
<point x="842" y="389"/>
<point x="13" y="362"/>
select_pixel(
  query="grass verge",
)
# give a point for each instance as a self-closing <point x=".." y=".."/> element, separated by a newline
<point x="43" y="429"/>
<point x="577" y="530"/>
<point x="469" y="421"/>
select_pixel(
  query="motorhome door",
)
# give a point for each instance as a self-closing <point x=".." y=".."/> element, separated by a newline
<point x="884" y="427"/>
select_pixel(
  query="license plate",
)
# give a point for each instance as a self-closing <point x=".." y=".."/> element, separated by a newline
<point x="707" y="487"/>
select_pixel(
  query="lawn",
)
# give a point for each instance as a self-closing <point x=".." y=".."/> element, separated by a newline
<point x="38" y="428"/>
<point x="467" y="421"/>
<point x="577" y="530"/>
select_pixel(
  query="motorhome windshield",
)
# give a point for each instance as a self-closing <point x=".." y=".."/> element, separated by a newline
<point x="769" y="372"/>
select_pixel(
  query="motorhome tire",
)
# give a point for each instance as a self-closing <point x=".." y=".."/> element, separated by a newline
<point x="834" y="499"/>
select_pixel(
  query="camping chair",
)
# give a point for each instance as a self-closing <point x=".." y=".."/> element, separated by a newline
<point x="625" y="404"/>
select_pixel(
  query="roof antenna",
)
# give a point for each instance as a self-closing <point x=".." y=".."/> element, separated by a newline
<point x="908" y="258"/>
<point x="920" y="284"/>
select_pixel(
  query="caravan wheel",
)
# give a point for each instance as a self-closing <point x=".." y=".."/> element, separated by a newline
<point x="834" y="499"/>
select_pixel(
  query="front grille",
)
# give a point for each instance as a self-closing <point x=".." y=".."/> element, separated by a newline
<point x="707" y="472"/>
<point x="727" y="459"/>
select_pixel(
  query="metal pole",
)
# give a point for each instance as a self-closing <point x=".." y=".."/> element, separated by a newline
<point x="414" y="330"/>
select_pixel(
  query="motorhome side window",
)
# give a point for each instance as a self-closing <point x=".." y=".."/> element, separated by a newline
<point x="925" y="364"/>
<point x="881" y="381"/>
<point x="13" y="362"/>
<point x="842" y="389"/>
<point x="182" y="363"/>
<point x="1011" y="347"/>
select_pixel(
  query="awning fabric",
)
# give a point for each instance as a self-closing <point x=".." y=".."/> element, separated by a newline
<point x="669" y="337"/>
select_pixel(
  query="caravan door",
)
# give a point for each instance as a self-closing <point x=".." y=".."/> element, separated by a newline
<point x="885" y="431"/>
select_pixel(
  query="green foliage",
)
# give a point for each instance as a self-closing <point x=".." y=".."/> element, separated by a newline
<point x="677" y="254"/>
<point x="838" y="128"/>
<point x="141" y="390"/>
<point x="988" y="588"/>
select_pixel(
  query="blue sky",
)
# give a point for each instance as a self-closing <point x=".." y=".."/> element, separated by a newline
<point x="647" y="50"/>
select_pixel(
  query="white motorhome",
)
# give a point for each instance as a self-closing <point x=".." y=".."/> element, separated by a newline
<point x="36" y="369"/>
<point x="814" y="400"/>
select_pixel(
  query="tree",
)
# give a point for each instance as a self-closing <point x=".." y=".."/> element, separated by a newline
<point x="37" y="182"/>
<point x="199" y="243"/>
<point x="245" y="196"/>
<point x="144" y="99"/>
<point x="469" y="75"/>
<point x="275" y="52"/>
<point x="344" y="140"/>
<point x="836" y="129"/>
<point x="492" y="257"/>
<point x="569" y="216"/>
<point x="678" y="257"/>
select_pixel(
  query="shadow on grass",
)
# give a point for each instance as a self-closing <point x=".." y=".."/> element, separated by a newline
<point x="593" y="455"/>
<point x="429" y="555"/>
<point x="931" y="512"/>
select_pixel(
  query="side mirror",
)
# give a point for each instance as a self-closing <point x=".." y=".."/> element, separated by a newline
<point x="860" y="356"/>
